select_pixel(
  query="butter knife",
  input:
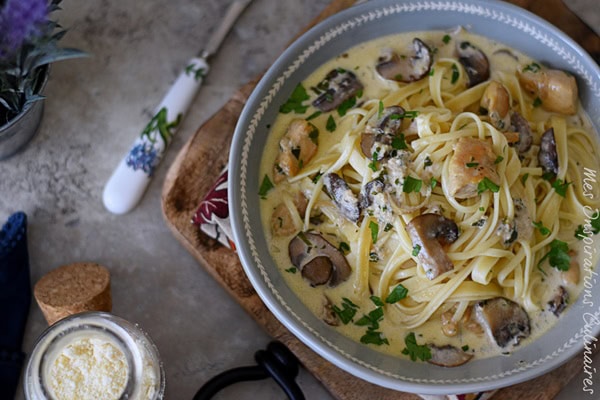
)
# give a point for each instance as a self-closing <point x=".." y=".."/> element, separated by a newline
<point x="129" y="180"/>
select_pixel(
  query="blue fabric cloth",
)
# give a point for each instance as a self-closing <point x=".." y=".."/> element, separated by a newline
<point x="15" y="298"/>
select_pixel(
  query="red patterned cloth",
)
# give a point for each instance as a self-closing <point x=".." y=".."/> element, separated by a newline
<point x="212" y="218"/>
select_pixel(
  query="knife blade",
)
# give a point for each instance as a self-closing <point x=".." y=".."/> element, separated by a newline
<point x="128" y="182"/>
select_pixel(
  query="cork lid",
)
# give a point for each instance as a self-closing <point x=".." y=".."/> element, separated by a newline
<point x="72" y="289"/>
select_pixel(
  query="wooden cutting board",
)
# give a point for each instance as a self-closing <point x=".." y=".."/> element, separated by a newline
<point x="198" y="165"/>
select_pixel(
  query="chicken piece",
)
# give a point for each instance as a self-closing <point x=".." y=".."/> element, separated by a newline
<point x="296" y="148"/>
<point x="472" y="161"/>
<point x="496" y="101"/>
<point x="282" y="223"/>
<point x="556" y="89"/>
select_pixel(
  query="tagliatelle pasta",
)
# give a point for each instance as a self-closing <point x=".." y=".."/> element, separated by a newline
<point x="448" y="193"/>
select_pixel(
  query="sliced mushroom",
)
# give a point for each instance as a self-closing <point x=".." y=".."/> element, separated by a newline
<point x="507" y="230"/>
<point x="374" y="146"/>
<point x="296" y="148"/>
<point x="387" y="122"/>
<point x="556" y="89"/>
<point x="472" y="161"/>
<point x="496" y="101"/>
<point x="505" y="321"/>
<point x="548" y="156"/>
<point x="448" y="356"/>
<point x="429" y="233"/>
<point x="521" y="126"/>
<point x="559" y="302"/>
<point x="318" y="260"/>
<point x="475" y="63"/>
<point x="406" y="68"/>
<point x="368" y="191"/>
<point x="342" y="196"/>
<point x="338" y="86"/>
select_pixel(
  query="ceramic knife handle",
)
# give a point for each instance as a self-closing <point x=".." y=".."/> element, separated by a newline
<point x="128" y="182"/>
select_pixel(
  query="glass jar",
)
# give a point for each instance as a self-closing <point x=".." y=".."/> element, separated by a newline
<point x="94" y="352"/>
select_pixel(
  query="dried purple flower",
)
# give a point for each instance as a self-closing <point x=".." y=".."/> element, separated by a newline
<point x="20" y="20"/>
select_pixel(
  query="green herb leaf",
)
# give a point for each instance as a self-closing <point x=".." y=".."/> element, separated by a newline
<point x="380" y="110"/>
<point x="537" y="102"/>
<point x="427" y="162"/>
<point x="414" y="350"/>
<point x="291" y="270"/>
<point x="294" y="103"/>
<point x="533" y="67"/>
<point x="560" y="187"/>
<point x="346" y="105"/>
<point x="399" y="143"/>
<point x="374" y="337"/>
<point x="543" y="230"/>
<point x="399" y="293"/>
<point x="412" y="185"/>
<point x="344" y="247"/>
<point x="465" y="347"/>
<point x="558" y="256"/>
<point x="331" y="125"/>
<point x="265" y="187"/>
<point x="416" y="250"/>
<point x="455" y="74"/>
<point x="372" y="319"/>
<point x="314" y="115"/>
<point x="487" y="184"/>
<point x="377" y="301"/>
<point x="347" y="312"/>
<point x="446" y="39"/>
<point x="498" y="160"/>
<point x="374" y="227"/>
<point x="472" y="164"/>
<point x="524" y="178"/>
<point x="433" y="183"/>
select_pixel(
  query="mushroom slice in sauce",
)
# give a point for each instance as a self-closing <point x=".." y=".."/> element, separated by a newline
<point x="430" y="232"/>
<point x="406" y="68"/>
<point x="556" y="89"/>
<point x="496" y="101"/>
<point x="366" y="195"/>
<point x="380" y="131"/>
<point x="472" y="161"/>
<point x="521" y="126"/>
<point x="342" y="196"/>
<point x="559" y="302"/>
<point x="338" y="86"/>
<point x="504" y="320"/>
<point x="447" y="356"/>
<point x="548" y="156"/>
<point x="475" y="62"/>
<point x="318" y="260"/>
<point x="296" y="148"/>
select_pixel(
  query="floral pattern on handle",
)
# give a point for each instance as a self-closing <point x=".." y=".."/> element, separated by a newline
<point x="146" y="153"/>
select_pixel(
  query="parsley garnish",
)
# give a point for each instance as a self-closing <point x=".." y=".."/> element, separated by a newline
<point x="591" y="227"/>
<point x="431" y="71"/>
<point x="465" y="347"/>
<point x="416" y="250"/>
<point x="291" y="270"/>
<point x="347" y="312"/>
<point x="380" y="110"/>
<point x="558" y="256"/>
<point x="446" y="39"/>
<point x="399" y="293"/>
<point x="524" y="178"/>
<point x="388" y="227"/>
<point x="486" y="184"/>
<point x="427" y="162"/>
<point x="314" y="115"/>
<point x="537" y="102"/>
<point x="533" y="67"/>
<point x="265" y="187"/>
<point x="455" y="74"/>
<point x="399" y="143"/>
<point x="414" y="350"/>
<point x="498" y="160"/>
<point x="560" y="187"/>
<point x="344" y="247"/>
<point x="543" y="230"/>
<point x="433" y="183"/>
<point x="372" y="319"/>
<point x="373" y="337"/>
<point x="346" y="105"/>
<point x="295" y="101"/>
<point x="472" y="164"/>
<point x="374" y="227"/>
<point x="412" y="185"/>
<point x="331" y="125"/>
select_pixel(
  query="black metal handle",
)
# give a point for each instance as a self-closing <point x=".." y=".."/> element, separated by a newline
<point x="277" y="362"/>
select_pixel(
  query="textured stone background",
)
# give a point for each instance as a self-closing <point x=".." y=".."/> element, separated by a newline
<point x="95" y="108"/>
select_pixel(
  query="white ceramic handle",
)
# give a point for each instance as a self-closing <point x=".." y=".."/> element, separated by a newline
<point x="128" y="182"/>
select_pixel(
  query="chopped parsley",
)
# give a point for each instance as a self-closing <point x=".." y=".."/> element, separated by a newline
<point x="433" y="183"/>
<point x="537" y="102"/>
<point x="465" y="347"/>
<point x="294" y="103"/>
<point x="291" y="270"/>
<point x="399" y="293"/>
<point x="472" y="164"/>
<point x="388" y="227"/>
<point x="446" y="39"/>
<point x="431" y="71"/>
<point x="524" y="179"/>
<point x="314" y="115"/>
<point x="558" y="256"/>
<point x="455" y="74"/>
<point x="331" y="125"/>
<point x="374" y="227"/>
<point x="543" y="230"/>
<point x="592" y="227"/>
<point x="427" y="162"/>
<point x="344" y="247"/>
<point x="412" y="185"/>
<point x="265" y="187"/>
<point x="373" y="337"/>
<point x="533" y="67"/>
<point x="498" y="160"/>
<point x="346" y="105"/>
<point x="317" y="177"/>
<point x="380" y="110"/>
<point x="399" y="142"/>
<point x="487" y="184"/>
<point x="416" y="250"/>
<point x="347" y="312"/>
<point x="414" y="350"/>
<point x="371" y="320"/>
<point x="560" y="187"/>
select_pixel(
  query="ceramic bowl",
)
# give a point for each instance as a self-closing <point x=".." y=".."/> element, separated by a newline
<point x="499" y="21"/>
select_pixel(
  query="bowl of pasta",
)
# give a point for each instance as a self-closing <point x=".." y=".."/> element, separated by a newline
<point x="413" y="193"/>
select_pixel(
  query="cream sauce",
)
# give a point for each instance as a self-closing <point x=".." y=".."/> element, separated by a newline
<point x="361" y="61"/>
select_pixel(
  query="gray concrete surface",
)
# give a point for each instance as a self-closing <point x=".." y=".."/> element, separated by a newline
<point x="95" y="108"/>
